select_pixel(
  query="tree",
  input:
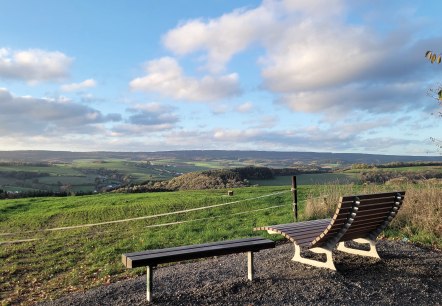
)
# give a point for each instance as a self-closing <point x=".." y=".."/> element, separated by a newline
<point x="436" y="93"/>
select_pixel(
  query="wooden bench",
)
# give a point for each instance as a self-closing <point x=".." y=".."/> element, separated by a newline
<point x="359" y="217"/>
<point x="152" y="258"/>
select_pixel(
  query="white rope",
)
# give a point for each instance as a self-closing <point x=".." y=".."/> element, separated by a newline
<point x="162" y="224"/>
<point x="18" y="241"/>
<point x="143" y="217"/>
<point x="201" y="219"/>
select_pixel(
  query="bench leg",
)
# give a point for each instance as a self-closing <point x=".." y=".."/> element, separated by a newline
<point x="149" y="279"/>
<point x="250" y="270"/>
<point x="370" y="253"/>
<point x="316" y="263"/>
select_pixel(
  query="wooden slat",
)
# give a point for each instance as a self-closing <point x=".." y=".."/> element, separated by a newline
<point x="186" y="247"/>
<point x="194" y="251"/>
<point x="372" y="199"/>
<point x="322" y="225"/>
<point x="383" y="215"/>
<point x="370" y="219"/>
<point x="360" y="233"/>
<point x="301" y="224"/>
<point x="301" y="235"/>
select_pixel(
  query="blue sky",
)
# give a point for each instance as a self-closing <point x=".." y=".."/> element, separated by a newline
<point x="285" y="75"/>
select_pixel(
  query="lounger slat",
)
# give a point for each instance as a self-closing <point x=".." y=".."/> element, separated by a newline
<point x="308" y="224"/>
<point x="357" y="233"/>
<point x="378" y="219"/>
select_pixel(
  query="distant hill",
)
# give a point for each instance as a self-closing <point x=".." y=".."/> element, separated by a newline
<point x="269" y="158"/>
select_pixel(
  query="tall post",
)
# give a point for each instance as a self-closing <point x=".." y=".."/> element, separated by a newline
<point x="295" y="197"/>
<point x="250" y="271"/>
<point x="149" y="279"/>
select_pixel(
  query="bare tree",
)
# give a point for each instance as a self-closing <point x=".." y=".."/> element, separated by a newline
<point x="436" y="93"/>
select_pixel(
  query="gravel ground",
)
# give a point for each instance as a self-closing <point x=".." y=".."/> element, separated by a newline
<point x="406" y="275"/>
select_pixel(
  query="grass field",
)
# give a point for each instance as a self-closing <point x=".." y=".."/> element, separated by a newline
<point x="399" y="169"/>
<point x="71" y="259"/>
<point x="76" y="243"/>
<point x="310" y="179"/>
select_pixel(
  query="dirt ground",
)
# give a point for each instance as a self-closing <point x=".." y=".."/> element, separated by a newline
<point x="406" y="275"/>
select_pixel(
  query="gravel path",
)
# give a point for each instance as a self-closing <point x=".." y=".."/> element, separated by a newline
<point x="406" y="275"/>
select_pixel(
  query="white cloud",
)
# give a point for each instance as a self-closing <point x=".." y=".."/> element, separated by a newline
<point x="89" y="83"/>
<point x="245" y="107"/>
<point x="165" y="76"/>
<point x="314" y="55"/>
<point x="34" y="65"/>
<point x="149" y="117"/>
<point x="57" y="117"/>
<point x="222" y="37"/>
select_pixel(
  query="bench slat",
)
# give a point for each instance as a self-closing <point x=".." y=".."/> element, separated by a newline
<point x="185" y="247"/>
<point x="155" y="257"/>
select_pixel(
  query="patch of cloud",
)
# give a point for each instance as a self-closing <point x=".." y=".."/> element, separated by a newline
<point x="165" y="76"/>
<point x="245" y="107"/>
<point x="152" y="114"/>
<point x="222" y="37"/>
<point x="61" y="116"/>
<point x="89" y="83"/>
<point x="343" y="100"/>
<point x="263" y="122"/>
<point x="34" y="65"/>
<point x="149" y="117"/>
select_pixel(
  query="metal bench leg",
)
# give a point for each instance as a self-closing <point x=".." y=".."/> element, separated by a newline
<point x="370" y="253"/>
<point x="149" y="279"/>
<point x="250" y="270"/>
<point x="316" y="263"/>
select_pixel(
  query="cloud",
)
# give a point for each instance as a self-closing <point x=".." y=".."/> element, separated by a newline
<point x="222" y="37"/>
<point x="358" y="134"/>
<point x="318" y="58"/>
<point x="89" y="83"/>
<point x="245" y="107"/>
<point x="61" y="116"/>
<point x="152" y="114"/>
<point x="149" y="117"/>
<point x="34" y="65"/>
<point x="165" y="76"/>
<point x="343" y="100"/>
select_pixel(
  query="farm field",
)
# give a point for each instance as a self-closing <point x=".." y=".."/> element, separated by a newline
<point x="399" y="169"/>
<point x="87" y="175"/>
<point x="310" y="179"/>
<point x="74" y="243"/>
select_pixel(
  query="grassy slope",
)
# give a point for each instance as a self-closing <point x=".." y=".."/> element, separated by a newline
<point x="74" y="259"/>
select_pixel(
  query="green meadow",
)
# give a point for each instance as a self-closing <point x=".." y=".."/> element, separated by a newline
<point x="52" y="246"/>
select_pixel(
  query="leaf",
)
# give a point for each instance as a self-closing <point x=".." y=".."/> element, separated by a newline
<point x="428" y="55"/>
<point x="440" y="94"/>
<point x="433" y="58"/>
<point x="439" y="58"/>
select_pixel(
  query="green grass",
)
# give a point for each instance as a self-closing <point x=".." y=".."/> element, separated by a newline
<point x="73" y="259"/>
<point x="399" y="169"/>
<point x="85" y="257"/>
<point x="309" y="179"/>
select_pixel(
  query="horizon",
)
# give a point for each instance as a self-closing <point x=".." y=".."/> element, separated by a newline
<point x="248" y="75"/>
<point x="221" y="150"/>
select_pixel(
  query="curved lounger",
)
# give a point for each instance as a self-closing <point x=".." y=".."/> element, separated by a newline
<point x="359" y="217"/>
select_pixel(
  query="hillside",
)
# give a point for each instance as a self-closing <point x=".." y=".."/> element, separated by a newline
<point x="266" y="157"/>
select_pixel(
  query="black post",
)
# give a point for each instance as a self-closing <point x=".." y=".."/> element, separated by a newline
<point x="295" y="197"/>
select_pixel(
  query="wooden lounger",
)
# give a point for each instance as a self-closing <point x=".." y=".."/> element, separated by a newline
<point x="360" y="218"/>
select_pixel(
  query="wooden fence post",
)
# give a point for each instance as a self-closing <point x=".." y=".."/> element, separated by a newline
<point x="295" y="197"/>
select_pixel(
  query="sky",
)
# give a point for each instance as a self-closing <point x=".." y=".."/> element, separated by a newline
<point x="272" y="75"/>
